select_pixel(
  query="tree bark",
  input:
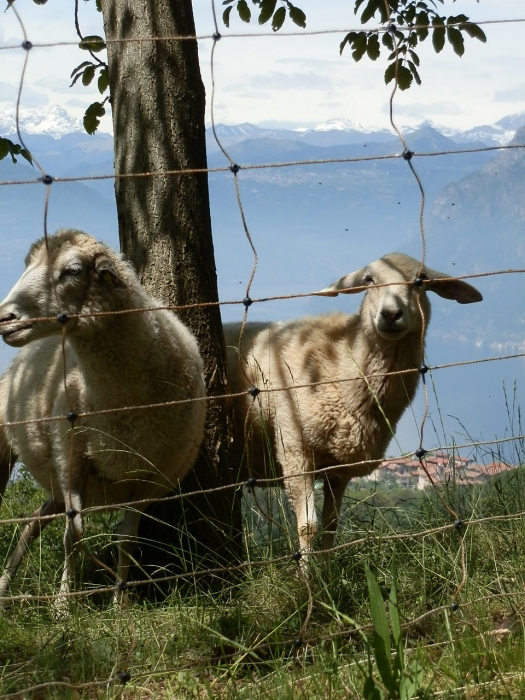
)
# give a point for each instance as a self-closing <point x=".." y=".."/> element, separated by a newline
<point x="158" y="105"/>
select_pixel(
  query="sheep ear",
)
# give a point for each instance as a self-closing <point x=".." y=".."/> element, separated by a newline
<point x="346" y="284"/>
<point x="453" y="289"/>
<point x="107" y="274"/>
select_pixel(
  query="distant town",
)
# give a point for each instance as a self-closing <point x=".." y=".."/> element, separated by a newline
<point x="441" y="467"/>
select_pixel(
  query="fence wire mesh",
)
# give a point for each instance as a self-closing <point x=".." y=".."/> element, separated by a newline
<point x="452" y="518"/>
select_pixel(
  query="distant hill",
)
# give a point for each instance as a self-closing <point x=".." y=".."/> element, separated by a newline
<point x="312" y="223"/>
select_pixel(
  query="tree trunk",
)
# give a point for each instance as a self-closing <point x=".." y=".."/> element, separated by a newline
<point x="158" y="104"/>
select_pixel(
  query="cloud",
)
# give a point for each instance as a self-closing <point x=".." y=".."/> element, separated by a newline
<point x="419" y="109"/>
<point x="290" y="81"/>
<point x="515" y="94"/>
<point x="29" y="98"/>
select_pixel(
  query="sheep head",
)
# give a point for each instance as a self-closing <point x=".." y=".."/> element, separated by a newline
<point x="396" y="287"/>
<point x="69" y="274"/>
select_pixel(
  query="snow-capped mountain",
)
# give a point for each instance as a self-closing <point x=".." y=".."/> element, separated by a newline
<point x="55" y="122"/>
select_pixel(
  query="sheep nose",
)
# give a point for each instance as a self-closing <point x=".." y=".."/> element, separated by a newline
<point x="8" y="317"/>
<point x="391" y="315"/>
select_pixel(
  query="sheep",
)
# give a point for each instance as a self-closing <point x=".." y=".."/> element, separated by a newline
<point x="72" y="364"/>
<point x="330" y="422"/>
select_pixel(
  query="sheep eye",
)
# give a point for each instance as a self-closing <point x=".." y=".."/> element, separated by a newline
<point x="71" y="271"/>
<point x="368" y="278"/>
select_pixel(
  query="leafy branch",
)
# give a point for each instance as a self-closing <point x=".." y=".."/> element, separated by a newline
<point x="418" y="19"/>
<point x="268" y="10"/>
<point x="8" y="148"/>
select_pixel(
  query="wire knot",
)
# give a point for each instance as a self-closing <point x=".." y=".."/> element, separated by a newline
<point x="254" y="391"/>
<point x="27" y="45"/>
<point x="420" y="452"/>
<point x="62" y="317"/>
<point x="247" y="302"/>
<point x="251" y="482"/>
<point x="47" y="180"/>
<point x="297" y="556"/>
<point x="407" y="155"/>
<point x="72" y="416"/>
<point x="124" y="677"/>
<point x="235" y="168"/>
<point x="71" y="512"/>
<point x="423" y="369"/>
<point x="216" y="36"/>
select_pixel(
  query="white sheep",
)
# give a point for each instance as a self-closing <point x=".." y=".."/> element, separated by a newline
<point x="349" y="409"/>
<point x="105" y="362"/>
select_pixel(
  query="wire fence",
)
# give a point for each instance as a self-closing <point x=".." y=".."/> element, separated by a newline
<point x="452" y="520"/>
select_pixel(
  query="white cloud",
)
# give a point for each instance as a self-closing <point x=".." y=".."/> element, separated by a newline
<point x="290" y="81"/>
<point x="512" y="94"/>
<point x="420" y="109"/>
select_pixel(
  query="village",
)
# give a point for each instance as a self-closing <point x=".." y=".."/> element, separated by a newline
<point x="439" y="467"/>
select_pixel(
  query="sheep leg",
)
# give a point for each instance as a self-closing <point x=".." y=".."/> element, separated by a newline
<point x="72" y="537"/>
<point x="302" y="496"/>
<point x="127" y="540"/>
<point x="7" y="461"/>
<point x="334" y="489"/>
<point x="30" y="533"/>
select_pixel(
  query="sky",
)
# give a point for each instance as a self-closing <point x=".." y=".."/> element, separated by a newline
<point x="293" y="81"/>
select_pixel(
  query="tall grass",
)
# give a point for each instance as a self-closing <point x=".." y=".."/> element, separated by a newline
<point x="246" y="638"/>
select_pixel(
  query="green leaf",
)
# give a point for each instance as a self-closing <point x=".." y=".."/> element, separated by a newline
<point x="226" y="16"/>
<point x="296" y="15"/>
<point x="390" y="73"/>
<point x="267" y="10"/>
<point x="438" y="35"/>
<point x="414" y="72"/>
<point x="422" y="31"/>
<point x="79" y="68"/>
<point x="103" y="80"/>
<point x="278" y="19"/>
<point x="88" y="75"/>
<point x="244" y="11"/>
<point x="474" y="32"/>
<point x="404" y="78"/>
<point x="359" y="46"/>
<point x="349" y="38"/>
<point x="455" y="38"/>
<point x="7" y="147"/>
<point x="373" y="48"/>
<point x="414" y="57"/>
<point x="388" y="41"/>
<point x="370" y="690"/>
<point x="91" y="117"/>
<point x="92" y="43"/>
<point x="381" y="631"/>
<point x="98" y="4"/>
<point x="370" y="10"/>
<point x="25" y="154"/>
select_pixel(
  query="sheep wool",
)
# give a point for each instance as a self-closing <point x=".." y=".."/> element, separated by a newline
<point x="346" y="384"/>
<point x="94" y="369"/>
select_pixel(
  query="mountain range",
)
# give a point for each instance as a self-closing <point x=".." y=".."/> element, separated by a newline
<point x="313" y="222"/>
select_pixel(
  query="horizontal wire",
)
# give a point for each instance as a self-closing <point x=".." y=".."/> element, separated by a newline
<point x="260" y="35"/>
<point x="263" y="390"/>
<point x="264" y="481"/>
<point x="264" y="166"/>
<point x="200" y="573"/>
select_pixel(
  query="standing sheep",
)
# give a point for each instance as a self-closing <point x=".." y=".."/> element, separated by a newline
<point x="73" y="363"/>
<point x="349" y="410"/>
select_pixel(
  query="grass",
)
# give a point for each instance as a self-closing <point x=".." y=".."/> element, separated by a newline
<point x="246" y="638"/>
